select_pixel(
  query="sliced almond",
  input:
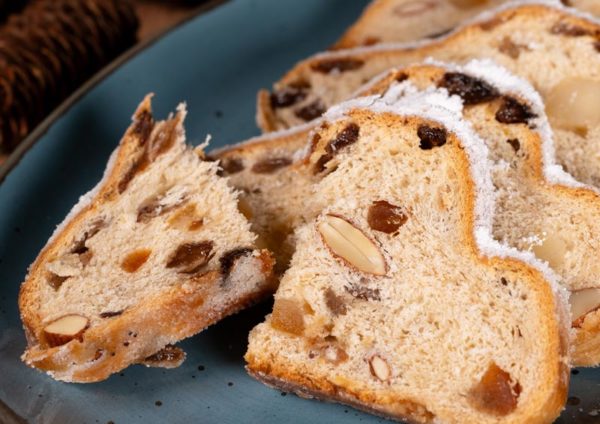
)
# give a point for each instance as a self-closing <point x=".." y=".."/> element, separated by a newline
<point x="582" y="303"/>
<point x="65" y="329"/>
<point x="379" y="368"/>
<point x="352" y="245"/>
<point x="552" y="250"/>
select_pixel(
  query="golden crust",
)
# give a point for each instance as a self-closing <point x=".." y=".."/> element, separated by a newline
<point x="553" y="325"/>
<point x="176" y="313"/>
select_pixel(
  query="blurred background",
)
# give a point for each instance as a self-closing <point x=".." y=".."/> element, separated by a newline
<point x="48" y="48"/>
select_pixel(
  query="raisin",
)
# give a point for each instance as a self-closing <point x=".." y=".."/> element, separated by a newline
<point x="320" y="166"/>
<point x="55" y="281"/>
<point x="287" y="316"/>
<point x="191" y="257"/>
<point x="401" y="77"/>
<point x="169" y="353"/>
<point x="514" y="143"/>
<point x="110" y="314"/>
<point x="369" y="41"/>
<point x="495" y="393"/>
<point x="363" y="293"/>
<point x="335" y="303"/>
<point x="510" y="48"/>
<point x="311" y="111"/>
<point x="230" y="166"/>
<point x="570" y="30"/>
<point x="512" y="111"/>
<point x="94" y="228"/>
<point x="472" y="90"/>
<point x="156" y="207"/>
<point x="229" y="258"/>
<point x="270" y="165"/>
<point x="134" y="260"/>
<point x="287" y="96"/>
<point x="385" y="217"/>
<point x="327" y="66"/>
<point x="431" y="137"/>
<point x="346" y="137"/>
<point x="143" y="127"/>
<point x="491" y="24"/>
<point x="186" y="219"/>
<point x="597" y="46"/>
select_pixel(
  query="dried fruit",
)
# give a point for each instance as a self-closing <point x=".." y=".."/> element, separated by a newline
<point x="379" y="368"/>
<point x="64" y="329"/>
<point x="352" y="245"/>
<point x="134" y="260"/>
<point x="510" y="48"/>
<point x="431" y="137"/>
<point x="287" y="316"/>
<point x="327" y="66"/>
<point x="385" y="217"/>
<point x="186" y="219"/>
<point x="582" y="303"/>
<point x="189" y="258"/>
<point x="512" y="111"/>
<point x="159" y="205"/>
<point x="55" y="281"/>
<point x="245" y="208"/>
<point x="168" y="357"/>
<point x="228" y="260"/>
<point x="110" y="314"/>
<point x="472" y="90"/>
<point x="270" y="165"/>
<point x="335" y="303"/>
<point x="570" y="30"/>
<point x="288" y="96"/>
<point x="496" y="393"/>
<point x="311" y="111"/>
<point x="574" y="104"/>
<point x="514" y="143"/>
<point x="231" y="166"/>
<point x="347" y="136"/>
<point x="552" y="250"/>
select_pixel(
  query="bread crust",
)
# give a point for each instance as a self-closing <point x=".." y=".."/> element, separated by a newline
<point x="553" y="327"/>
<point x="175" y="313"/>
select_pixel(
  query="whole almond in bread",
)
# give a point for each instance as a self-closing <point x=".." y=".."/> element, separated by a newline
<point x="155" y="253"/>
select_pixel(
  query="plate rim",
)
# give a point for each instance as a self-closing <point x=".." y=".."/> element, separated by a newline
<point x="44" y="126"/>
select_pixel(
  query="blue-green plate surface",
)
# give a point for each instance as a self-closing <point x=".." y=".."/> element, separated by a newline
<point x="216" y="62"/>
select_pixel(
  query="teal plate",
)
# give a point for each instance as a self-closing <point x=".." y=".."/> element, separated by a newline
<point x="216" y="62"/>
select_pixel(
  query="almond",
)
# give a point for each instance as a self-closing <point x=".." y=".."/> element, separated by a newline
<point x="64" y="329"/>
<point x="352" y="245"/>
<point x="379" y="368"/>
<point x="574" y="104"/>
<point x="582" y="303"/>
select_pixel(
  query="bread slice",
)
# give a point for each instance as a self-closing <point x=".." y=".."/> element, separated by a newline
<point x="394" y="21"/>
<point x="154" y="254"/>
<point x="557" y="50"/>
<point x="397" y="301"/>
<point x="534" y="194"/>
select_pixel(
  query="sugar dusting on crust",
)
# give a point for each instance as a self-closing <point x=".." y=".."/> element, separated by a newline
<point x="434" y="104"/>
<point x="484" y="16"/>
<point x="507" y="82"/>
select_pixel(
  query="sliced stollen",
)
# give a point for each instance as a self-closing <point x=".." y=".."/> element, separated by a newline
<point x="534" y="194"/>
<point x="397" y="300"/>
<point x="393" y="21"/>
<point x="553" y="47"/>
<point x="155" y="253"/>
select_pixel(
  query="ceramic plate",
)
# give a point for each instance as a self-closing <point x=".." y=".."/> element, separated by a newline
<point x="216" y="62"/>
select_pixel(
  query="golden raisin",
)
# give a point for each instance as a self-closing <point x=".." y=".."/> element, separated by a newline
<point x="134" y="260"/>
<point x="191" y="257"/>
<point x="495" y="393"/>
<point x="186" y="219"/>
<point x="287" y="316"/>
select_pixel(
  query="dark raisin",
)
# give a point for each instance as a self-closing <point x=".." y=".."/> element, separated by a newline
<point x="401" y="77"/>
<point x="344" y="138"/>
<point x="191" y="257"/>
<point x="491" y="24"/>
<point x="567" y="3"/>
<point x="503" y="281"/>
<point x="137" y="166"/>
<point x="287" y="96"/>
<point x="230" y="166"/>
<point x="55" y="281"/>
<point x="512" y="111"/>
<point x="322" y="161"/>
<point x="472" y="90"/>
<point x="597" y="46"/>
<point x="431" y="137"/>
<point x="94" y="228"/>
<point x="327" y="66"/>
<point x="369" y="41"/>
<point x="110" y="314"/>
<point x="335" y="303"/>
<point x="363" y="293"/>
<point x="269" y="165"/>
<point x="143" y="127"/>
<point x="385" y="217"/>
<point x="169" y="353"/>
<point x="229" y="258"/>
<point x="514" y="142"/>
<point x="311" y="111"/>
<point x="156" y="207"/>
<point x="570" y="30"/>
